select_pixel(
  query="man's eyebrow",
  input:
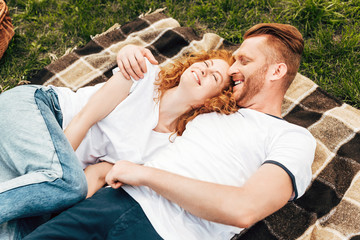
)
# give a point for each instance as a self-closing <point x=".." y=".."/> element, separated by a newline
<point x="241" y="56"/>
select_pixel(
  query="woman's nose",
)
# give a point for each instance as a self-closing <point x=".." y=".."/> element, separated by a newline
<point x="204" y="72"/>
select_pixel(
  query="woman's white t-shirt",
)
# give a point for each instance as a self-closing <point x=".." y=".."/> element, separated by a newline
<point x="125" y="133"/>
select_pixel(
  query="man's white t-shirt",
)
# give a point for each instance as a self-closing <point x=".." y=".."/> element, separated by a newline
<point x="224" y="149"/>
<point x="126" y="132"/>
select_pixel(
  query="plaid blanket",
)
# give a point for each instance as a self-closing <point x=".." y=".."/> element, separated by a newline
<point x="330" y="209"/>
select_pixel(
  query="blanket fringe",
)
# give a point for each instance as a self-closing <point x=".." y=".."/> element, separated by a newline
<point x="154" y="12"/>
<point x="115" y="26"/>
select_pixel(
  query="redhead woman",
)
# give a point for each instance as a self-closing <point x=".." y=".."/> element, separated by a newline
<point x="41" y="173"/>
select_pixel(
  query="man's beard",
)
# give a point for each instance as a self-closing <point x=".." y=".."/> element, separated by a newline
<point x="252" y="86"/>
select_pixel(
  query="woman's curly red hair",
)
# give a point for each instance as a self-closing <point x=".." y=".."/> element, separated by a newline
<point x="169" y="77"/>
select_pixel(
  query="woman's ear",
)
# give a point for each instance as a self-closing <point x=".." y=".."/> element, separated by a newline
<point x="278" y="71"/>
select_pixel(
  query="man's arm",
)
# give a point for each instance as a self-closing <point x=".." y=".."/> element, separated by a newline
<point x="265" y="192"/>
<point x="114" y="91"/>
<point x="131" y="61"/>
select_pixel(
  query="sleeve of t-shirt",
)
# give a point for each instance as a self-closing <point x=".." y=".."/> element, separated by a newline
<point x="126" y="126"/>
<point x="294" y="152"/>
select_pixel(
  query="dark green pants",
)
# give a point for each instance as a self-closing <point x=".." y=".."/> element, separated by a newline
<point x="109" y="214"/>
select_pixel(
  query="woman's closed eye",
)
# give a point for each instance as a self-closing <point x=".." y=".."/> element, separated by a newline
<point x="214" y="74"/>
<point x="215" y="77"/>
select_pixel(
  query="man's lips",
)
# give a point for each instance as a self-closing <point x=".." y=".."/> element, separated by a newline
<point x="238" y="78"/>
<point x="196" y="78"/>
<point x="237" y="82"/>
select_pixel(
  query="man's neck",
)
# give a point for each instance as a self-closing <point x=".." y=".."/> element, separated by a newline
<point x="270" y="105"/>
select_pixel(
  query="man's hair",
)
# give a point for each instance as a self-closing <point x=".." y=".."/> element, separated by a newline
<point x="169" y="77"/>
<point x="287" y="44"/>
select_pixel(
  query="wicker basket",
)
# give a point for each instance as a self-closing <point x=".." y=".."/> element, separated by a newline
<point x="6" y="27"/>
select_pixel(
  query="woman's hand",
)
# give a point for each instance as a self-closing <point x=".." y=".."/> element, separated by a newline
<point x="131" y="61"/>
<point x="95" y="176"/>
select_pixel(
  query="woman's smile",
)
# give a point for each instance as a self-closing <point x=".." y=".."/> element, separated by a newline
<point x="196" y="77"/>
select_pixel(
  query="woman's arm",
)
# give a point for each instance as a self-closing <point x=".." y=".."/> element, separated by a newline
<point x="113" y="92"/>
<point x="95" y="176"/>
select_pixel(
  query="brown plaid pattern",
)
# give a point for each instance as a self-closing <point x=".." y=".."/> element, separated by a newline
<point x="330" y="209"/>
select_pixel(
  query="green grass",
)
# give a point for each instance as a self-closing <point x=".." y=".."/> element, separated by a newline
<point x="47" y="29"/>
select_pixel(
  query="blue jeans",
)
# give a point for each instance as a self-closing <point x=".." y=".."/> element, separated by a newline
<point x="109" y="214"/>
<point x="39" y="171"/>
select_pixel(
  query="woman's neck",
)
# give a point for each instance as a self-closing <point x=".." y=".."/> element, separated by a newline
<point x="172" y="105"/>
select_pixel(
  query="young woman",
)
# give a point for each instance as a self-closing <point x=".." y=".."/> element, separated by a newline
<point x="145" y="120"/>
<point x="40" y="172"/>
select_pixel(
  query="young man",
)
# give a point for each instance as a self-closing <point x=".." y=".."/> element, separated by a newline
<point x="224" y="174"/>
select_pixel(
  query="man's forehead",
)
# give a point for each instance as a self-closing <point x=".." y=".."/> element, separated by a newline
<point x="250" y="47"/>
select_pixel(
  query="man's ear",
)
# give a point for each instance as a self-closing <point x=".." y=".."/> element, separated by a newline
<point x="278" y="71"/>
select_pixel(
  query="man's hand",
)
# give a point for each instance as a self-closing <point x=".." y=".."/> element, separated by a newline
<point x="131" y="61"/>
<point x="125" y="172"/>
